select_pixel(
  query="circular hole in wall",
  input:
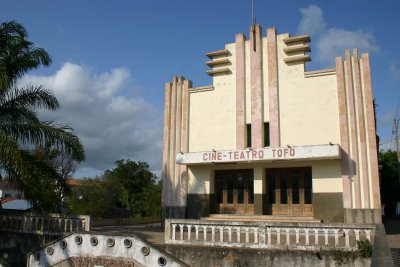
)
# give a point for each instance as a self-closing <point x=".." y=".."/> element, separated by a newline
<point x="50" y="250"/>
<point x="110" y="242"/>
<point x="145" y="251"/>
<point x="78" y="240"/>
<point x="127" y="243"/>
<point x="94" y="241"/>
<point x="63" y="244"/>
<point x="162" y="261"/>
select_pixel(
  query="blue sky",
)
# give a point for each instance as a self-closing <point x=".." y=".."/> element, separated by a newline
<point x="112" y="58"/>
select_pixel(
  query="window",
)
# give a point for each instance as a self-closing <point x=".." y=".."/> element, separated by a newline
<point x="266" y="134"/>
<point x="248" y="135"/>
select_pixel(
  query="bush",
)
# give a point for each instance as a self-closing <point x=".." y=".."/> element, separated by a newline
<point x="365" y="248"/>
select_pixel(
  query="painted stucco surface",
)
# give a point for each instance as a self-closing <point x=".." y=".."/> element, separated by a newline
<point x="326" y="175"/>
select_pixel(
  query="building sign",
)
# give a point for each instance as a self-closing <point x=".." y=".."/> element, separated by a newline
<point x="262" y="154"/>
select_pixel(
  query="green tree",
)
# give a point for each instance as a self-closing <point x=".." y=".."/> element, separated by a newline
<point x="93" y="197"/>
<point x="136" y="187"/>
<point x="51" y="195"/>
<point x="390" y="180"/>
<point x="20" y="127"/>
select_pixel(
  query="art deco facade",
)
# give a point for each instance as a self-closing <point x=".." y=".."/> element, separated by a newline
<point x="269" y="138"/>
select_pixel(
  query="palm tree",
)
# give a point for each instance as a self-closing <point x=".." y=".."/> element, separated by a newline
<point x="20" y="127"/>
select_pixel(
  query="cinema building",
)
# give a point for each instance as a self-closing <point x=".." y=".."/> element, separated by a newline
<point x="271" y="140"/>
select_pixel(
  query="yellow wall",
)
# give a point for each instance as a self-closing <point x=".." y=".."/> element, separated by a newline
<point x="308" y="107"/>
<point x="212" y="114"/>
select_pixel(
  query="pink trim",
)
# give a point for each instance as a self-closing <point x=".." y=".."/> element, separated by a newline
<point x="178" y="126"/>
<point x="361" y="130"/>
<point x="182" y="195"/>
<point x="240" y="93"/>
<point x="373" y="157"/>
<point x="165" y="160"/>
<point x="353" y="158"/>
<point x="344" y="141"/>
<point x="273" y="88"/>
<point x="257" y="121"/>
<point x="172" y="136"/>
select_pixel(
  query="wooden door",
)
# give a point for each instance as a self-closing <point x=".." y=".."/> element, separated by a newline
<point x="289" y="191"/>
<point x="234" y="191"/>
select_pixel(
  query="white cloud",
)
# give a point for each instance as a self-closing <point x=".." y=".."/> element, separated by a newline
<point x="312" y="21"/>
<point x="333" y="42"/>
<point x="330" y="42"/>
<point x="110" y="125"/>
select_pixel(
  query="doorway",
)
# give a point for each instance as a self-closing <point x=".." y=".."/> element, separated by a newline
<point x="289" y="191"/>
<point x="234" y="190"/>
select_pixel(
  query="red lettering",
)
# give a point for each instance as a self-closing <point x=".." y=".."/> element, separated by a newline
<point x="280" y="153"/>
<point x="292" y="152"/>
<point x="261" y="154"/>
<point x="205" y="156"/>
<point x="253" y="154"/>
<point x="242" y="155"/>
<point x="219" y="156"/>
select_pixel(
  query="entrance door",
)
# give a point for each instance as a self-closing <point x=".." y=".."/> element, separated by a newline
<point x="234" y="191"/>
<point x="290" y="191"/>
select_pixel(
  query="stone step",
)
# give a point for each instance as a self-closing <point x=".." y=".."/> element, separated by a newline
<point x="261" y="218"/>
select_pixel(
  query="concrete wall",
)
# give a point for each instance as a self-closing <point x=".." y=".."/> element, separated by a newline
<point x="220" y="257"/>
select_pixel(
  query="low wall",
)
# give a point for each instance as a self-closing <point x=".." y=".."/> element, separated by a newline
<point x="196" y="256"/>
<point x="123" y="221"/>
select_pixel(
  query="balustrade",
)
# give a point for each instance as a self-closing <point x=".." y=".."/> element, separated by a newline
<point x="52" y="224"/>
<point x="303" y="236"/>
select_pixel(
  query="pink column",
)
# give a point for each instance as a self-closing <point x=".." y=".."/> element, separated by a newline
<point x="344" y="141"/>
<point x="178" y="124"/>
<point x="353" y="130"/>
<point x="240" y="93"/>
<point x="172" y="136"/>
<point x="373" y="157"/>
<point x="273" y="88"/>
<point x="257" y="121"/>
<point x="165" y="161"/>
<point x="184" y="142"/>
<point x="361" y="130"/>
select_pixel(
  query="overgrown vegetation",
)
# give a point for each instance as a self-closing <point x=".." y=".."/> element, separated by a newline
<point x="342" y="256"/>
<point x="390" y="181"/>
<point x="130" y="187"/>
<point x="364" y="247"/>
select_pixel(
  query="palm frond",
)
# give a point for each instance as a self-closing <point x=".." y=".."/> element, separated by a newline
<point x="30" y="97"/>
<point x="41" y="133"/>
<point x="17" y="115"/>
<point x="12" y="28"/>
